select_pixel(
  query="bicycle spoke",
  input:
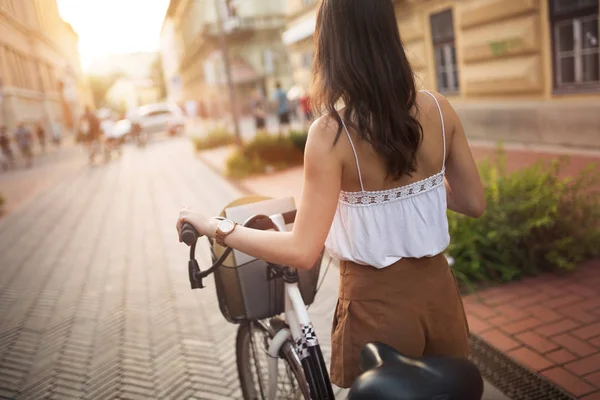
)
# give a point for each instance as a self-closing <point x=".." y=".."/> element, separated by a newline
<point x="256" y="361"/>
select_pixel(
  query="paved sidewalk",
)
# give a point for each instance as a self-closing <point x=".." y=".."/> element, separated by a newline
<point x="94" y="295"/>
<point x="20" y="184"/>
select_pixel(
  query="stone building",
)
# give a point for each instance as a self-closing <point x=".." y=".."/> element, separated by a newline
<point x="298" y="37"/>
<point x="515" y="70"/>
<point x="40" y="71"/>
<point x="257" y="55"/>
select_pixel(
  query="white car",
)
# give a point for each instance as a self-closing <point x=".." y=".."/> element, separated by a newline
<point x="160" y="118"/>
<point x="122" y="128"/>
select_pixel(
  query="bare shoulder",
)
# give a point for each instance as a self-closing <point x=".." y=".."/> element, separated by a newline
<point x="426" y="102"/>
<point x="322" y="134"/>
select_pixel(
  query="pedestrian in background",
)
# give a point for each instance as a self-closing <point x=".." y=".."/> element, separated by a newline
<point x="41" y="135"/>
<point x="259" y="112"/>
<point x="24" y="140"/>
<point x="56" y="134"/>
<point x="6" y="153"/>
<point x="283" y="109"/>
<point x="90" y="124"/>
<point x="305" y="105"/>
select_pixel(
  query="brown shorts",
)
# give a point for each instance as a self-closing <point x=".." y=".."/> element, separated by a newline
<point x="413" y="305"/>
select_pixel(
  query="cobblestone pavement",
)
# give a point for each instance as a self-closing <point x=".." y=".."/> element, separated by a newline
<point x="94" y="297"/>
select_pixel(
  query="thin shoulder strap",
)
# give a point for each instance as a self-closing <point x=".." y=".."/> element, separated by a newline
<point x="443" y="127"/>
<point x="362" y="188"/>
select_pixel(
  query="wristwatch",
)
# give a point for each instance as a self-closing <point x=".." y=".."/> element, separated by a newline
<point x="225" y="228"/>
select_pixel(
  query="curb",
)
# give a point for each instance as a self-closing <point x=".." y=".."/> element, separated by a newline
<point x="236" y="183"/>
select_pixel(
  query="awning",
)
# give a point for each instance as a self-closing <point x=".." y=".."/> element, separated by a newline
<point x="242" y="72"/>
<point x="301" y="30"/>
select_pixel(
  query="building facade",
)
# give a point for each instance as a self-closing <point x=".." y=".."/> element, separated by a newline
<point x="298" y="37"/>
<point x="40" y="70"/>
<point x="515" y="70"/>
<point x="170" y="53"/>
<point x="258" y="58"/>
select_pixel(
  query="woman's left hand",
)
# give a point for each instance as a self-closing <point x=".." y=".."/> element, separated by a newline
<point x="198" y="220"/>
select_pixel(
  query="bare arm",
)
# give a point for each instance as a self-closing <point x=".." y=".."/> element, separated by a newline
<point x="301" y="247"/>
<point x="463" y="183"/>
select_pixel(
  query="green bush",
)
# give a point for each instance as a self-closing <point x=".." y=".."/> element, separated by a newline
<point x="240" y="166"/>
<point x="298" y="138"/>
<point x="262" y="152"/>
<point x="215" y="138"/>
<point x="535" y="221"/>
<point x="274" y="150"/>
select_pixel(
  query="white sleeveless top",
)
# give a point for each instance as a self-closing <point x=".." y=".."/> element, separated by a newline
<point x="378" y="228"/>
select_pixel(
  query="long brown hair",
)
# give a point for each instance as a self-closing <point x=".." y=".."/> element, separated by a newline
<point x="360" y="60"/>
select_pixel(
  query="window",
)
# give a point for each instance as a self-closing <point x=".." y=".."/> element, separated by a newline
<point x="21" y="79"/>
<point x="575" y="44"/>
<point x="442" y="34"/>
<point x="3" y="66"/>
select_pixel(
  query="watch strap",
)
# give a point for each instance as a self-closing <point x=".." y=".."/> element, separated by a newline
<point x="220" y="235"/>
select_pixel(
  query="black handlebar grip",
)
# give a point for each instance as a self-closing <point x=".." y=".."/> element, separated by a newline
<point x="189" y="234"/>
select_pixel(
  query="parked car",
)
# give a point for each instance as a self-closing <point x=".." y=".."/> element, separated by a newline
<point x="122" y="129"/>
<point x="160" y="117"/>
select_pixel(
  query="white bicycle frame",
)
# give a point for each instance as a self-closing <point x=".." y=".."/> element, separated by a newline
<point x="296" y="317"/>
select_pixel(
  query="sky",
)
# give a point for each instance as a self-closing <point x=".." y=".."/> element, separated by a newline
<point x="108" y="27"/>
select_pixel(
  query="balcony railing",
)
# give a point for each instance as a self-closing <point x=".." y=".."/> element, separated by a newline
<point x="245" y="25"/>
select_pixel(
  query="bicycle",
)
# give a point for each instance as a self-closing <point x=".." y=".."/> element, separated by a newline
<point x="387" y="374"/>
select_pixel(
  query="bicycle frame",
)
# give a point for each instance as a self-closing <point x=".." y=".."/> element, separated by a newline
<point x="303" y="333"/>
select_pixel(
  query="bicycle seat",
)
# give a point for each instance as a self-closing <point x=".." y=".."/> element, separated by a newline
<point x="388" y="375"/>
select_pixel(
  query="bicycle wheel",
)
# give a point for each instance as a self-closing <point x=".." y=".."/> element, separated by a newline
<point x="252" y="342"/>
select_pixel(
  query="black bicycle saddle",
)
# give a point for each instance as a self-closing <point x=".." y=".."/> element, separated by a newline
<point x="388" y="375"/>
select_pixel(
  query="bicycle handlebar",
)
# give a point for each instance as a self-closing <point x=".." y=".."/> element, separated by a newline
<point x="190" y="236"/>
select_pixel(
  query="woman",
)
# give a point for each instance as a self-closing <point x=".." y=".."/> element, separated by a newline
<point x="378" y="177"/>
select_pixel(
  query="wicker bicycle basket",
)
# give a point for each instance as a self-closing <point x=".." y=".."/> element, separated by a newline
<point x="247" y="288"/>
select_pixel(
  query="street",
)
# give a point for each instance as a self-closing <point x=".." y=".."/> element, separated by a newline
<point x="94" y="295"/>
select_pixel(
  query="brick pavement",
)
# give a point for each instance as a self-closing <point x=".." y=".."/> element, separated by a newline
<point x="94" y="296"/>
<point x="550" y="324"/>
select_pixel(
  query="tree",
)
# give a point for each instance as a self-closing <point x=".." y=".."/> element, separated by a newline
<point x="157" y="76"/>
<point x="99" y="85"/>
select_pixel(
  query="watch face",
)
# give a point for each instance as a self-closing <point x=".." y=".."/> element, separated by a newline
<point x="226" y="226"/>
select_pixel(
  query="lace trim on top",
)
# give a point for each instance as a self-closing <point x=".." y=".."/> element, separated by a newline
<point x="383" y="196"/>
